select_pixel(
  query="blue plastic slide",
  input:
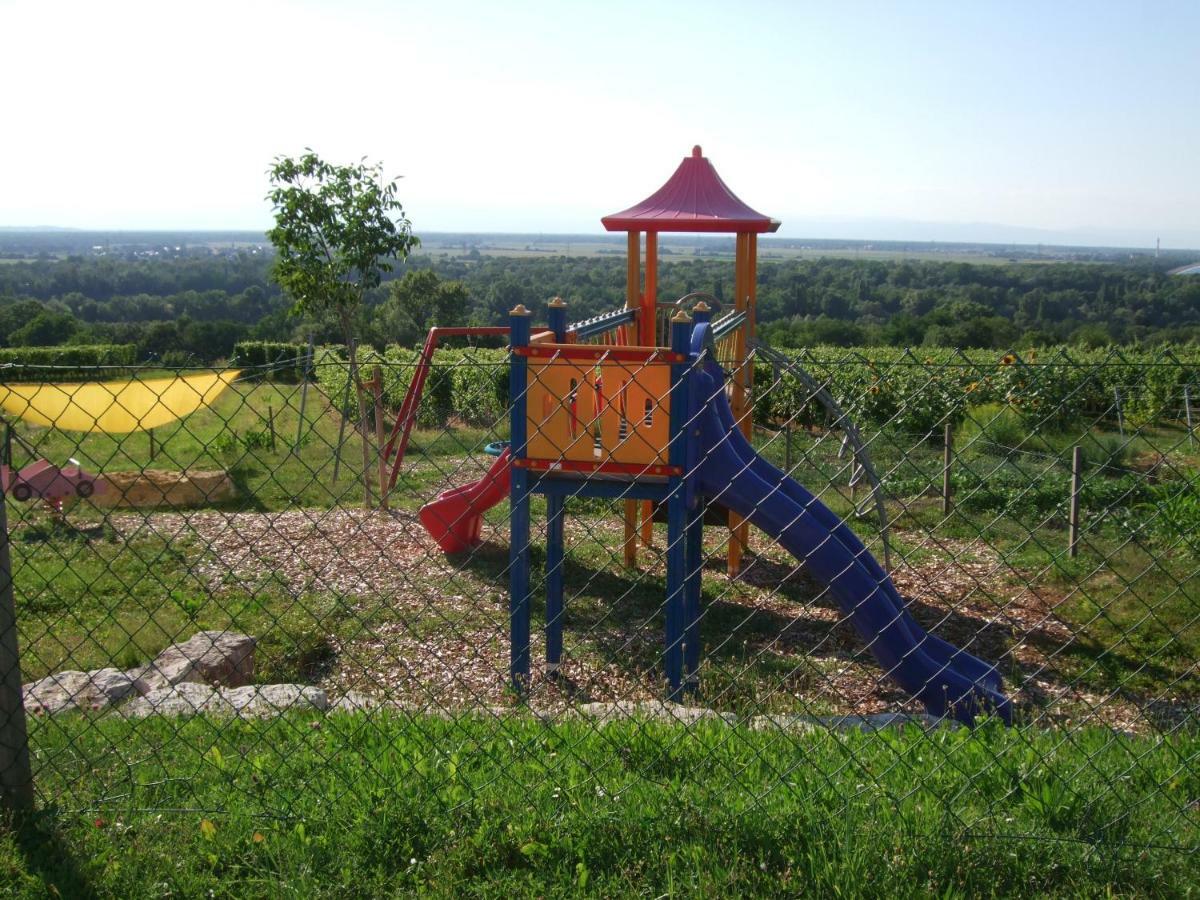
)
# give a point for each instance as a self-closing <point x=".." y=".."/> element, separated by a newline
<point x="946" y="679"/>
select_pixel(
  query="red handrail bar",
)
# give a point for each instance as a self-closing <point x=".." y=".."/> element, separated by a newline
<point x="412" y="397"/>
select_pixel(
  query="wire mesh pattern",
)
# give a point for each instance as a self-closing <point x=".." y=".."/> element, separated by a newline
<point x="1039" y="513"/>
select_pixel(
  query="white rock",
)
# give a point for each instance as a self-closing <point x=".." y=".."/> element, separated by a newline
<point x="872" y="722"/>
<point x="259" y="701"/>
<point x="352" y="701"/>
<point x="183" y="699"/>
<point x="77" y="690"/>
<point x="659" y="710"/>
<point x="779" y="722"/>
<point x="263" y="700"/>
<point x="214" y="657"/>
<point x="606" y="712"/>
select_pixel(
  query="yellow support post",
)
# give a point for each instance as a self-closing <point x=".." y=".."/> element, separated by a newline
<point x="633" y="300"/>
<point x="649" y="337"/>
<point x="648" y="523"/>
<point x="630" y="533"/>
<point x="750" y="292"/>
<point x="739" y="532"/>
<point x="633" y="271"/>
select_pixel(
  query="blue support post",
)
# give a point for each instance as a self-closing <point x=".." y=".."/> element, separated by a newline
<point x="554" y="533"/>
<point x="677" y="512"/>
<point x="555" y="608"/>
<point x="556" y="311"/>
<point x="693" y="582"/>
<point x="694" y="540"/>
<point x="518" y="548"/>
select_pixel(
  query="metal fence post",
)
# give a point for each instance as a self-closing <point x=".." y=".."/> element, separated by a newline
<point x="1187" y="411"/>
<point x="16" y="777"/>
<point x="363" y="427"/>
<point x="377" y="391"/>
<point x="947" y="461"/>
<point x="304" y="376"/>
<point x="1076" y="482"/>
<point x="345" y="411"/>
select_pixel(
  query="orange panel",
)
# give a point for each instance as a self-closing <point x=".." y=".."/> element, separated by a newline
<point x="616" y="412"/>
<point x="636" y="421"/>
<point x="560" y="410"/>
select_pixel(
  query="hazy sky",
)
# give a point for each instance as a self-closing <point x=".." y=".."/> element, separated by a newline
<point x="841" y="118"/>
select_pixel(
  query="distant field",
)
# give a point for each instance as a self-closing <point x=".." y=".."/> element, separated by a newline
<point x="526" y="246"/>
<point x="62" y="242"/>
<point x="586" y="250"/>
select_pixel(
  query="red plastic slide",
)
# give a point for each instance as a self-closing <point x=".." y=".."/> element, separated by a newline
<point x="455" y="518"/>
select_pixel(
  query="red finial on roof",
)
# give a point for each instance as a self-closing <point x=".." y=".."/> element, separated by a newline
<point x="693" y="199"/>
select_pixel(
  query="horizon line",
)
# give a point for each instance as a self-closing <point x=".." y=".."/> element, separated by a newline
<point x="609" y="237"/>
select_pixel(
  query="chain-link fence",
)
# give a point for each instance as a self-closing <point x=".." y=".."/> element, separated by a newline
<point x="259" y="565"/>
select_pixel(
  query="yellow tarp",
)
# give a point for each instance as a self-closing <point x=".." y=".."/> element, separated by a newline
<point x="115" y="407"/>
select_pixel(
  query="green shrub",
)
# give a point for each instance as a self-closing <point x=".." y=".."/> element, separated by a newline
<point x="1001" y="398"/>
<point x="397" y="365"/>
<point x="991" y="428"/>
<point x="919" y="392"/>
<point x="1033" y="500"/>
<point x="178" y="359"/>
<point x="281" y="361"/>
<point x="1104" y="452"/>
<point x="479" y="384"/>
<point x="466" y="385"/>
<point x="72" y="361"/>
<point x="232" y="444"/>
<point x="1173" y="509"/>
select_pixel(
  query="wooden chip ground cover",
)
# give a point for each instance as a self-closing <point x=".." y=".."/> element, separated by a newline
<point x="433" y="630"/>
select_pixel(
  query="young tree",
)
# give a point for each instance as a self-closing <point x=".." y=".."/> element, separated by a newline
<point x="337" y="230"/>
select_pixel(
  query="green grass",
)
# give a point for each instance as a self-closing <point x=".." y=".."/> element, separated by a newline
<point x="90" y="601"/>
<point x="387" y="805"/>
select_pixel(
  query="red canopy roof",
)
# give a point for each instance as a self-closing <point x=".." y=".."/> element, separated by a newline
<point x="693" y="199"/>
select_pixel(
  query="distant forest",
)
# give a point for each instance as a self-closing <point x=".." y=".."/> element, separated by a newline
<point x="195" y="308"/>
